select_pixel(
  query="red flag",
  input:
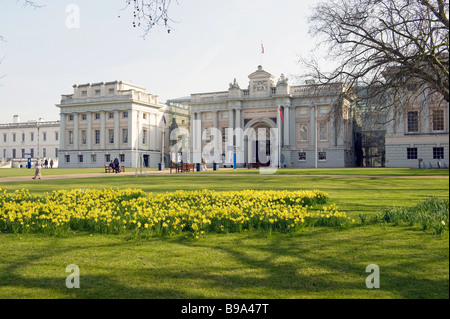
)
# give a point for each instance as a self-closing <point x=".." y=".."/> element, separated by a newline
<point x="262" y="47"/>
<point x="281" y="115"/>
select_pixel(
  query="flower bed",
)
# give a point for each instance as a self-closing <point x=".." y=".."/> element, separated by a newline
<point x="195" y="212"/>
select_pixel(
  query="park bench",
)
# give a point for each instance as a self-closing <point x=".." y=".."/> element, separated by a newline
<point x="187" y="167"/>
<point x="182" y="167"/>
<point x="108" y="169"/>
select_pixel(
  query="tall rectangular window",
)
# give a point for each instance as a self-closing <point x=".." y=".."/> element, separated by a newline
<point x="111" y="136"/>
<point x="438" y="120"/>
<point x="97" y="137"/>
<point x="125" y="136"/>
<point x="5" y="138"/>
<point x="411" y="153"/>
<point x="14" y="153"/>
<point x="23" y="137"/>
<point x="144" y="137"/>
<point x="56" y="136"/>
<point x="23" y="153"/>
<point x="122" y="158"/>
<point x="56" y="152"/>
<point x="80" y="158"/>
<point x="32" y="152"/>
<point x="67" y="158"/>
<point x="44" y="136"/>
<point x="14" y="137"/>
<point x="97" y="116"/>
<point x="323" y="132"/>
<point x="70" y="137"/>
<point x="303" y="133"/>
<point x="107" y="158"/>
<point x="83" y="137"/>
<point x="31" y="137"/>
<point x="413" y="121"/>
<point x="94" y="158"/>
<point x="44" y="152"/>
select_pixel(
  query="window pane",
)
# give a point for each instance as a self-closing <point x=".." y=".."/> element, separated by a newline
<point x="413" y="121"/>
<point x="438" y="120"/>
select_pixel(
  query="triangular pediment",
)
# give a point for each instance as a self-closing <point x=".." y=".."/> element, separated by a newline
<point x="260" y="74"/>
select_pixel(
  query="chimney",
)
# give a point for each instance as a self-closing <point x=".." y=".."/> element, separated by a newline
<point x="16" y="119"/>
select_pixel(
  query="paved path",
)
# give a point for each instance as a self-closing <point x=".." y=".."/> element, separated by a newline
<point x="148" y="173"/>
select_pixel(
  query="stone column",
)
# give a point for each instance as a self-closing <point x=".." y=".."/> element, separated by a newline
<point x="116" y="129"/>
<point x="103" y="130"/>
<point x="75" y="131"/>
<point x="286" y="120"/>
<point x="62" y="132"/>
<point x="89" y="130"/>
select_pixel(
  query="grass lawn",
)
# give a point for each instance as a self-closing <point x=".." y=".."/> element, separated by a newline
<point x="313" y="263"/>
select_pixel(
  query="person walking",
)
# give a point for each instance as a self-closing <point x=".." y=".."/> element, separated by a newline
<point x="117" y="165"/>
<point x="38" y="167"/>
<point x="204" y="163"/>
<point x="51" y="163"/>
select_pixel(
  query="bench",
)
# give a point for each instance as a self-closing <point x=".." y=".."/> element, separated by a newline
<point x="257" y="165"/>
<point x="182" y="167"/>
<point x="108" y="169"/>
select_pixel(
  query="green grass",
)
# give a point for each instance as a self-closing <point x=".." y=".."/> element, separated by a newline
<point x="314" y="263"/>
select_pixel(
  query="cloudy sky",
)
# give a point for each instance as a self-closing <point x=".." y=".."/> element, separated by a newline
<point x="212" y="43"/>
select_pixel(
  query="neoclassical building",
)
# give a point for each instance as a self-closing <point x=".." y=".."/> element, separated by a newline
<point x="274" y="124"/>
<point x="101" y="121"/>
<point x="20" y="141"/>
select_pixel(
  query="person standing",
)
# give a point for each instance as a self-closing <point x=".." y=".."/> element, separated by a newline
<point x="51" y="163"/>
<point x="38" y="167"/>
<point x="117" y="165"/>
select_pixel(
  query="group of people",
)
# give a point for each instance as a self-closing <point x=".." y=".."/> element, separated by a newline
<point x="115" y="165"/>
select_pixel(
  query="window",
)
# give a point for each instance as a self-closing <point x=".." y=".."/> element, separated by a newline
<point x="207" y="134"/>
<point x="323" y="109"/>
<point x="5" y="137"/>
<point x="14" y="137"/>
<point x="4" y="153"/>
<point x="144" y="137"/>
<point x="413" y="121"/>
<point x="122" y="158"/>
<point x="411" y="153"/>
<point x="56" y="136"/>
<point x="303" y="110"/>
<point x="83" y="93"/>
<point x="67" y="158"/>
<point x="144" y="116"/>
<point x="97" y="137"/>
<point x="438" y="120"/>
<point x="83" y="137"/>
<point x="70" y="117"/>
<point x="23" y="137"/>
<point x="32" y="153"/>
<point x="97" y="92"/>
<point x="302" y="156"/>
<point x="111" y="91"/>
<point x="303" y="134"/>
<point x="111" y="136"/>
<point x="14" y="153"/>
<point x="56" y="152"/>
<point x="31" y="137"/>
<point x="44" y="136"/>
<point x="97" y="116"/>
<point x="125" y="136"/>
<point x="224" y="115"/>
<point x="80" y="158"/>
<point x="70" y="137"/>
<point x="83" y="117"/>
<point x="438" y="152"/>
<point x="44" y="152"/>
<point x="23" y="153"/>
<point x="224" y="134"/>
<point x="322" y="156"/>
<point x="110" y="115"/>
<point x="125" y="114"/>
<point x="107" y="158"/>
<point x="323" y="132"/>
<point x="208" y="116"/>
<point x="94" y="158"/>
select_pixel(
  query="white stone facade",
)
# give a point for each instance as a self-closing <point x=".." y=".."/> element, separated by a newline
<point x="305" y="132"/>
<point x="102" y="121"/>
<point x="34" y="139"/>
<point x="420" y="133"/>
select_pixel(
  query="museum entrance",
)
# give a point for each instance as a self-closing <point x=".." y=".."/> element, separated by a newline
<point x="258" y="146"/>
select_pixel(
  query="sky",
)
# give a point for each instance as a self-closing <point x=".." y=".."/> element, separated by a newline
<point x="212" y="43"/>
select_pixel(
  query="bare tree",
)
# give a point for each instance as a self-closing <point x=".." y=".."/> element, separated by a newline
<point x="150" y="14"/>
<point x="384" y="46"/>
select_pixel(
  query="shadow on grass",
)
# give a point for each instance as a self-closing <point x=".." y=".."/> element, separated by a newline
<point x="319" y="263"/>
